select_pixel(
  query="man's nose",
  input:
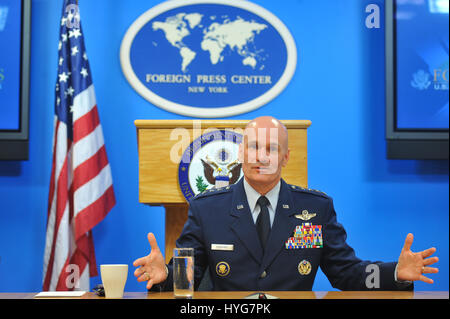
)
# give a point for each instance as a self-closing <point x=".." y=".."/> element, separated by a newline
<point x="262" y="156"/>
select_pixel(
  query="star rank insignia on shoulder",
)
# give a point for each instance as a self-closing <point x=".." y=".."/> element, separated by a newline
<point x="213" y="191"/>
<point x="308" y="190"/>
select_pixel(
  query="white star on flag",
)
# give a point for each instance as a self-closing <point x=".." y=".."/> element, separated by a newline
<point x="70" y="91"/>
<point x="74" y="50"/>
<point x="75" y="33"/>
<point x="84" y="72"/>
<point x="63" y="77"/>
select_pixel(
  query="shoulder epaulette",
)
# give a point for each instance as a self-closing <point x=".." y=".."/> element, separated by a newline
<point x="308" y="190"/>
<point x="213" y="191"/>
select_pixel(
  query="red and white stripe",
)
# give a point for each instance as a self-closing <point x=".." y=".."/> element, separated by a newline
<point x="80" y="196"/>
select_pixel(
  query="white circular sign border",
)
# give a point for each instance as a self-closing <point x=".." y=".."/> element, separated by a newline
<point x="198" y="111"/>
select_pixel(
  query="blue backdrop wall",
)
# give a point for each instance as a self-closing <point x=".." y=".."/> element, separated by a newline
<point x="338" y="85"/>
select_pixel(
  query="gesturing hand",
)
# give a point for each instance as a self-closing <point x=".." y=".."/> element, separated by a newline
<point x="411" y="266"/>
<point x="152" y="267"/>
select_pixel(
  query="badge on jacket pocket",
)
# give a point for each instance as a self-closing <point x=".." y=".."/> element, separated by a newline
<point x="222" y="269"/>
<point x="306" y="235"/>
<point x="304" y="267"/>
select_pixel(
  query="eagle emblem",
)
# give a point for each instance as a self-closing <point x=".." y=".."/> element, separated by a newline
<point x="211" y="161"/>
<point x="222" y="268"/>
<point x="304" y="267"/>
<point x="421" y="80"/>
<point x="221" y="175"/>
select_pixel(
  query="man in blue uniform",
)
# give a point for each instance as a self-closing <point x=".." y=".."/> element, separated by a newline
<point x="264" y="234"/>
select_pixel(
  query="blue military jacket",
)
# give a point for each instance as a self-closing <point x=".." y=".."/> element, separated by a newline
<point x="221" y="230"/>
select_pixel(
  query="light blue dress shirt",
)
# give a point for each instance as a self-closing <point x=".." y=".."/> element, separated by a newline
<point x="253" y="196"/>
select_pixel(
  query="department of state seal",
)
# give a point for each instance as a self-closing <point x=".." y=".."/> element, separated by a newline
<point x="210" y="161"/>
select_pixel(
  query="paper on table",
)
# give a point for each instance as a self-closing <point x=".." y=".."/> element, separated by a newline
<point x="47" y="294"/>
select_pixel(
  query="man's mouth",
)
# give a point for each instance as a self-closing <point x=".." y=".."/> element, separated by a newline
<point x="263" y="169"/>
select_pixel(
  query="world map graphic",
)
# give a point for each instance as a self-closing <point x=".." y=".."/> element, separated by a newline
<point x="218" y="33"/>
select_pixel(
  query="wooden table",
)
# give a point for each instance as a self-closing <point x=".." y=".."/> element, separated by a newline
<point x="281" y="294"/>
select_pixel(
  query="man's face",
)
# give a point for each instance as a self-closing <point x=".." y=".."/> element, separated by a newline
<point x="263" y="153"/>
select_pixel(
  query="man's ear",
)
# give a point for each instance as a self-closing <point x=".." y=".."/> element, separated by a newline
<point x="286" y="158"/>
<point x="241" y="152"/>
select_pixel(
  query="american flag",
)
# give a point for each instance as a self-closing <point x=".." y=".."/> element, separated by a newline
<point x="81" y="191"/>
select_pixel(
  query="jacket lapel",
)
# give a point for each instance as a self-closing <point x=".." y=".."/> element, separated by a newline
<point x="243" y="225"/>
<point x="282" y="225"/>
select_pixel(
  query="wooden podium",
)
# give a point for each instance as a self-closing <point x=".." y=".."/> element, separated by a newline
<point x="158" y="173"/>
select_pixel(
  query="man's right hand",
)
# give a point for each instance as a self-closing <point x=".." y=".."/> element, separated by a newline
<point x="152" y="268"/>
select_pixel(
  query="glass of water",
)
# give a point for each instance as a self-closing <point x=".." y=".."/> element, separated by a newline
<point x="183" y="273"/>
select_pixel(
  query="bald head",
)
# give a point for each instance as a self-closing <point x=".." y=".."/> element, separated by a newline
<point x="269" y="122"/>
<point x="264" y="152"/>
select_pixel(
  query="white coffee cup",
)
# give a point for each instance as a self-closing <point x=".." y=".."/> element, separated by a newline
<point x="114" y="278"/>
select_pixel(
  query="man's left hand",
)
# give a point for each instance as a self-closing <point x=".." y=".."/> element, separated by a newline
<point x="411" y="266"/>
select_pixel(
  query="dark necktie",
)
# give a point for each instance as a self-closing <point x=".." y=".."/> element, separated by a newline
<point x="263" y="221"/>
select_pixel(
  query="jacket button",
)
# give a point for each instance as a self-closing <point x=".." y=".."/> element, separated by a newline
<point x="263" y="275"/>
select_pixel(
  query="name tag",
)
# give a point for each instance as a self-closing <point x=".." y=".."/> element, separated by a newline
<point x="222" y="247"/>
